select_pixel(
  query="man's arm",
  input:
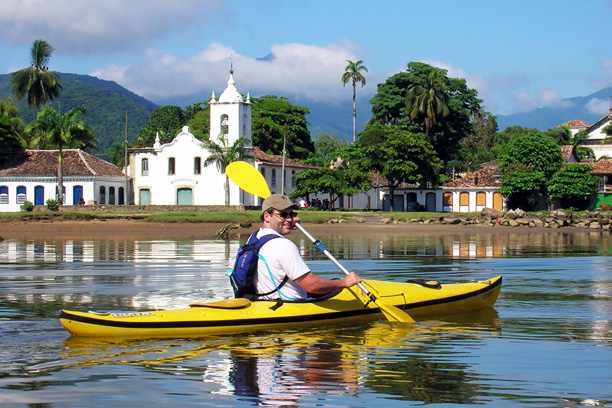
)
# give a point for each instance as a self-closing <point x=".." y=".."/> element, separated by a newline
<point x="312" y="283"/>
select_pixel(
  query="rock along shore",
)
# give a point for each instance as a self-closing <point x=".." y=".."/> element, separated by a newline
<point x="593" y="220"/>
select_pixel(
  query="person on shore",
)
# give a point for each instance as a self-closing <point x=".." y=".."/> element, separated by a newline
<point x="280" y="259"/>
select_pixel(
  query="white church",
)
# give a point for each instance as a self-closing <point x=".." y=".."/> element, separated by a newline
<point x="173" y="174"/>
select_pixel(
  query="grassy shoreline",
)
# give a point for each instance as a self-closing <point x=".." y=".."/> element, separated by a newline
<point x="230" y="217"/>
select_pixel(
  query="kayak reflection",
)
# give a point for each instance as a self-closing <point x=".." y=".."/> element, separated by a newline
<point x="282" y="367"/>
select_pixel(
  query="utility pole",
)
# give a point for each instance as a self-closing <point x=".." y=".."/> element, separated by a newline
<point x="125" y="159"/>
<point x="283" y="167"/>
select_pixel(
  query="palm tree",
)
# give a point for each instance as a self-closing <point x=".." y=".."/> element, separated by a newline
<point x="36" y="81"/>
<point x="352" y="73"/>
<point x="222" y="154"/>
<point x="428" y="99"/>
<point x="64" y="131"/>
<point x="9" y="110"/>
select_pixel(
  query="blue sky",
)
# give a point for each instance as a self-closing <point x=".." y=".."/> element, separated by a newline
<point x="518" y="54"/>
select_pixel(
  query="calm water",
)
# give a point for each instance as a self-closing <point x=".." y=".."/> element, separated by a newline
<point x="547" y="342"/>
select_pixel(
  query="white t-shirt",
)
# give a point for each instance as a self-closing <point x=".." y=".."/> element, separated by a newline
<point x="281" y="258"/>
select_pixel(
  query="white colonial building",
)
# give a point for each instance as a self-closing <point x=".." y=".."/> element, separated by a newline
<point x="33" y="177"/>
<point x="597" y="138"/>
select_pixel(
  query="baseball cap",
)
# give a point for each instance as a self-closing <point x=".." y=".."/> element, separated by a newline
<point x="278" y="202"/>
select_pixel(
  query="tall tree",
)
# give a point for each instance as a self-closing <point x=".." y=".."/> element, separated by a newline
<point x="398" y="156"/>
<point x="428" y="100"/>
<point x="527" y="163"/>
<point x="222" y="154"/>
<point x="352" y="73"/>
<point x="64" y="131"/>
<point x="274" y="118"/>
<point x="389" y="108"/>
<point x="36" y="81"/>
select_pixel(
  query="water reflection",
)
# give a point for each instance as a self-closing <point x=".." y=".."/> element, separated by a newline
<point x="547" y="342"/>
<point x="283" y="367"/>
<point x="455" y="246"/>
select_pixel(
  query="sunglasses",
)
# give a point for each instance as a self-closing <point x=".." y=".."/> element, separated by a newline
<point x="283" y="215"/>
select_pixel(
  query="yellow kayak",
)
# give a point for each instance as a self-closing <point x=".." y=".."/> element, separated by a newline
<point x="415" y="298"/>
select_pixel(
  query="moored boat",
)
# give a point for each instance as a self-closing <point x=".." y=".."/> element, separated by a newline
<point x="418" y="299"/>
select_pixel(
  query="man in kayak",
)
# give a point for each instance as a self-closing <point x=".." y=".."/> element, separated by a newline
<point x="281" y="258"/>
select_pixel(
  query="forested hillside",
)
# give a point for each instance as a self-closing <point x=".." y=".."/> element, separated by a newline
<point x="106" y="104"/>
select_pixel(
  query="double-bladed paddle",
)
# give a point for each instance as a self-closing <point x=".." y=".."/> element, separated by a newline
<point x="250" y="180"/>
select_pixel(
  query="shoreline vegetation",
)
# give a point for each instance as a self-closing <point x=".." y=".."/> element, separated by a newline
<point x="171" y="224"/>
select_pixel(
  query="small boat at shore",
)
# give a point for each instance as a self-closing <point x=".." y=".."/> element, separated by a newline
<point x="418" y="299"/>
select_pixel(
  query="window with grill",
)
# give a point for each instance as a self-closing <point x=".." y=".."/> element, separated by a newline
<point x="4" y="199"/>
<point x="21" y="194"/>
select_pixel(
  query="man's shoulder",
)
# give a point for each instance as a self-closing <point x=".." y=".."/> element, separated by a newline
<point x="267" y="231"/>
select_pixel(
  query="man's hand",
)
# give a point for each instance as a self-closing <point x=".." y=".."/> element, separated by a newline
<point x="351" y="279"/>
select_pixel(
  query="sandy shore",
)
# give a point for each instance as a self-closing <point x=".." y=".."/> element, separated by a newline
<point x="125" y="229"/>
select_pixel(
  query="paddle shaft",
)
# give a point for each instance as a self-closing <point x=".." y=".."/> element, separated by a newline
<point x="333" y="259"/>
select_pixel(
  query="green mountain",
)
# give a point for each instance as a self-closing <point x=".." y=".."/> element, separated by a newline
<point x="106" y="103"/>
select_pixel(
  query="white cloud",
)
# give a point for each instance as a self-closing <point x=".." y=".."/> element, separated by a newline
<point x="597" y="106"/>
<point x="100" y="25"/>
<point x="546" y="97"/>
<point x="304" y="70"/>
<point x="605" y="79"/>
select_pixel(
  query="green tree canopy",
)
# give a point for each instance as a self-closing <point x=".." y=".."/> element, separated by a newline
<point x="198" y="116"/>
<point x="335" y="182"/>
<point x="527" y="162"/>
<point x="326" y="147"/>
<point x="272" y="116"/>
<point x="573" y="185"/>
<point x="10" y="145"/>
<point x="36" y="81"/>
<point x="167" y="120"/>
<point x="398" y="156"/>
<point x="389" y="107"/>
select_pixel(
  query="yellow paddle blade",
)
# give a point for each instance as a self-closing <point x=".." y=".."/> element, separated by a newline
<point x="248" y="178"/>
<point x="393" y="314"/>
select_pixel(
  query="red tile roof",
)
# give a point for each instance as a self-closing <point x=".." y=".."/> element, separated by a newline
<point x="76" y="163"/>
<point x="603" y="166"/>
<point x="576" y="124"/>
<point x="274" y="160"/>
<point x="485" y="177"/>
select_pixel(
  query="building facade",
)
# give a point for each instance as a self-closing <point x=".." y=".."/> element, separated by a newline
<point x="33" y="178"/>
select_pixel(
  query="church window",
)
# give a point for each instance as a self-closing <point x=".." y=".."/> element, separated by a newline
<point x="197" y="165"/>
<point x="145" y="167"/>
<point x="224" y="124"/>
<point x="171" y="166"/>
